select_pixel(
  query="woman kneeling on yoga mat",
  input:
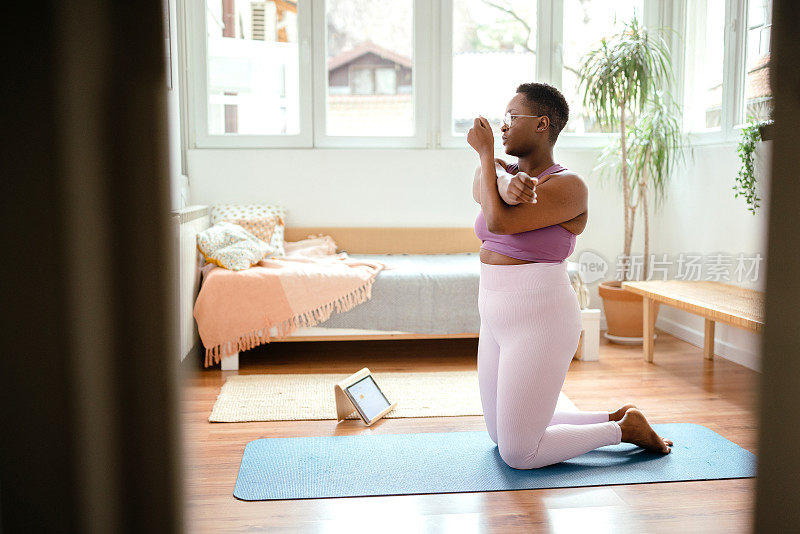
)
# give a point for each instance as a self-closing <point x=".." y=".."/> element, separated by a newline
<point x="530" y="318"/>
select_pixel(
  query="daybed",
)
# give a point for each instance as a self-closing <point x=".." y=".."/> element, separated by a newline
<point x="430" y="292"/>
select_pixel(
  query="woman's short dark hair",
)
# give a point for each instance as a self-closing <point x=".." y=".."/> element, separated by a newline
<point x="545" y="99"/>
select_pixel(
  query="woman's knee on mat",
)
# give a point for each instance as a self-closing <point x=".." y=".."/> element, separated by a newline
<point x="519" y="458"/>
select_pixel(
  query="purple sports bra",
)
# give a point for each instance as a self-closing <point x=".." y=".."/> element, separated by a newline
<point x="551" y="244"/>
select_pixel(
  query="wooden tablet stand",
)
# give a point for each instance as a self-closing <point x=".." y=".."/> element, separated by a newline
<point x="344" y="406"/>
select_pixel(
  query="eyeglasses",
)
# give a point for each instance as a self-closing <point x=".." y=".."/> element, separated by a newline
<point x="507" y="120"/>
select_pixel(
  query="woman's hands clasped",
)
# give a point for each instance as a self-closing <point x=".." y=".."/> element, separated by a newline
<point x="521" y="188"/>
<point x="515" y="188"/>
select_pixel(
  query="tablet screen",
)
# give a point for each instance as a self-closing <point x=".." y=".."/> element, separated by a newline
<point x="369" y="398"/>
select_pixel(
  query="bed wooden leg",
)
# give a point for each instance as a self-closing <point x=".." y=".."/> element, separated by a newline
<point x="230" y="362"/>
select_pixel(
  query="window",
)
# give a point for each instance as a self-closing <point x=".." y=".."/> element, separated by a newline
<point x="705" y="56"/>
<point x="231" y="115"/>
<point x="361" y="82"/>
<point x="727" y="59"/>
<point x="252" y="67"/>
<point x="757" y="91"/>
<point x="370" y="67"/>
<point x="386" y="81"/>
<point x="494" y="50"/>
<point x="416" y="73"/>
<point x="586" y="22"/>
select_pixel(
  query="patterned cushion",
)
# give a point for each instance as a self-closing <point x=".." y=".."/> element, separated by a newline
<point x="231" y="246"/>
<point x="239" y="212"/>
<point x="262" y="227"/>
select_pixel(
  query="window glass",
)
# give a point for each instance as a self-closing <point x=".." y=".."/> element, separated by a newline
<point x="586" y="22"/>
<point x="494" y="51"/>
<point x="253" y="67"/>
<point x="385" y="81"/>
<point x="362" y="82"/>
<point x="705" y="51"/>
<point x="757" y="91"/>
<point x="370" y="55"/>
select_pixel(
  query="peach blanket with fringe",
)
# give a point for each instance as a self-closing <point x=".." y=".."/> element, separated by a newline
<point x="235" y="310"/>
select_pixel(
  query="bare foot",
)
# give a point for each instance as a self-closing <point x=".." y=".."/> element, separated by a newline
<point x="617" y="416"/>
<point x="636" y="430"/>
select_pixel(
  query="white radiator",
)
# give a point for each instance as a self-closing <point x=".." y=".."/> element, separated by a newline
<point x="188" y="222"/>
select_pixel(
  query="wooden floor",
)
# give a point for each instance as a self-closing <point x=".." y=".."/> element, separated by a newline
<point x="679" y="386"/>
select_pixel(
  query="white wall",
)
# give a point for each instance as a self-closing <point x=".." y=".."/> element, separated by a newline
<point x="179" y="187"/>
<point x="349" y="187"/>
<point x="401" y="187"/>
<point x="702" y="216"/>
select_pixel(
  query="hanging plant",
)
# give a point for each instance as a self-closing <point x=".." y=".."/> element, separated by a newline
<point x="746" y="179"/>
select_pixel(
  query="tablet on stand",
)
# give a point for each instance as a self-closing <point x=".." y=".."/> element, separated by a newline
<point x="361" y="393"/>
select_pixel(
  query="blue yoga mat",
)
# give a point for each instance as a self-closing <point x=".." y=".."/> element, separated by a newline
<point x="454" y="462"/>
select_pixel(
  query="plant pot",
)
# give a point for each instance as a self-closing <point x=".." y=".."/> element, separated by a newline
<point x="767" y="131"/>
<point x="623" y="313"/>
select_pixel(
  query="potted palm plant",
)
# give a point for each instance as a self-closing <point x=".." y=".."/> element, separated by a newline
<point x="624" y="80"/>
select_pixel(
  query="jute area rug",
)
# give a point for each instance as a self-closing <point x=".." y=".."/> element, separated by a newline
<point x="298" y="397"/>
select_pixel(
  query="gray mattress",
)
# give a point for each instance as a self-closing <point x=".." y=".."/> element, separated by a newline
<point x="421" y="293"/>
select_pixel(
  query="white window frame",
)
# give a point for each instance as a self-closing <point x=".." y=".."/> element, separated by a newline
<point x="198" y="97"/>
<point x="547" y="41"/>
<point x="733" y="77"/>
<point x="420" y="76"/>
<point x="549" y="63"/>
<point x="444" y="136"/>
<point x="740" y="119"/>
<point x="432" y="75"/>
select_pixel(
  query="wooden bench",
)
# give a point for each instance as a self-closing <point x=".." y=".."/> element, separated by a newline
<point x="715" y="301"/>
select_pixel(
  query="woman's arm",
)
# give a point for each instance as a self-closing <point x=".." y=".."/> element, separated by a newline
<point x="476" y="186"/>
<point x="561" y="199"/>
<point x="503" y="183"/>
<point x="493" y="207"/>
<point x="480" y="138"/>
<point x="576" y="225"/>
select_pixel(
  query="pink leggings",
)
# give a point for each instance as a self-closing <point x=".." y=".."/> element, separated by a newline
<point x="530" y="327"/>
